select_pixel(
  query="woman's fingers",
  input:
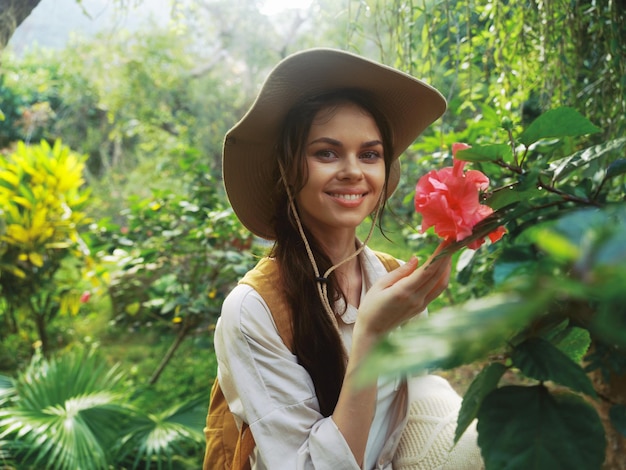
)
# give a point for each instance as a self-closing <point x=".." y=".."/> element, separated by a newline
<point x="401" y="272"/>
<point x="427" y="282"/>
<point x="430" y="273"/>
<point x="440" y="279"/>
<point x="405" y="292"/>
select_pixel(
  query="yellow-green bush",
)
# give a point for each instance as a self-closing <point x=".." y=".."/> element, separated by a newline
<point x="42" y="197"/>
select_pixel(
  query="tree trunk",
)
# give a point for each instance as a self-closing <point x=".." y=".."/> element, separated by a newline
<point x="182" y="334"/>
<point x="40" y="323"/>
<point x="12" y="14"/>
<point x="611" y="393"/>
<point x="9" y="319"/>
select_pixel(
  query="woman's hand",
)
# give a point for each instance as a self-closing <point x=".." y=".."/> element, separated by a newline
<point x="394" y="299"/>
<point x="403" y="293"/>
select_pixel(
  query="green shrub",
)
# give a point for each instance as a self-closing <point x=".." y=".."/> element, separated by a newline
<point x="553" y="306"/>
<point x="42" y="202"/>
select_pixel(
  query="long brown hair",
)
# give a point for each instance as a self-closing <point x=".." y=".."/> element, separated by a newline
<point x="317" y="343"/>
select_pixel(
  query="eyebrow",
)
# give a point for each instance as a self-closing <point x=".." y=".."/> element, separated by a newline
<point x="337" y="143"/>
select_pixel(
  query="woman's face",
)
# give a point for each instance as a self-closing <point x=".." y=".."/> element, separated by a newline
<point x="345" y="169"/>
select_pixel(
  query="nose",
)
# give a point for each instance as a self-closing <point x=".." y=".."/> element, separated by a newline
<point x="350" y="168"/>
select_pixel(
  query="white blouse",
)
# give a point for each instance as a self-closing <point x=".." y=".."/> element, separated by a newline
<point x="267" y="388"/>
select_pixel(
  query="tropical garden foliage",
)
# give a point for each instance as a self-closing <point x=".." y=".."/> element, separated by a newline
<point x="42" y="254"/>
<point x="117" y="244"/>
<point x="545" y="301"/>
<point x="76" y="410"/>
<point x="555" y="295"/>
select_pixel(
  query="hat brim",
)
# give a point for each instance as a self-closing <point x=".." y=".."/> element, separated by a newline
<point x="249" y="162"/>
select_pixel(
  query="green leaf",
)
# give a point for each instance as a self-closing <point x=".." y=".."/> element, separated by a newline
<point x="7" y="389"/>
<point x="567" y="165"/>
<point x="610" y="324"/>
<point x="67" y="411"/>
<point x="574" y="342"/>
<point x="610" y="229"/>
<point x="556" y="123"/>
<point x="616" y="168"/>
<point x="506" y="270"/>
<point x="153" y="437"/>
<point x="484" y="383"/>
<point x="578" y="225"/>
<point x="527" y="428"/>
<point x="540" y="360"/>
<point x="169" y="306"/>
<point x="507" y="196"/>
<point x="515" y="261"/>
<point x="452" y="336"/>
<point x="132" y="308"/>
<point x="617" y="413"/>
<point x="555" y="244"/>
<point x="485" y="153"/>
<point x="612" y="251"/>
<point x="14" y="270"/>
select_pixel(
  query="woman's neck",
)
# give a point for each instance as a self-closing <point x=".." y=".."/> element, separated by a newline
<point x="338" y="244"/>
<point x="339" y="248"/>
<point x="348" y="273"/>
<point x="350" y="280"/>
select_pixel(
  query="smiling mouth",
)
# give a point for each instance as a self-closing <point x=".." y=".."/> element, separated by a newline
<point x="347" y="197"/>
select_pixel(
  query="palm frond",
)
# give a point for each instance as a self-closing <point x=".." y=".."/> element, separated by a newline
<point x="6" y="455"/>
<point x="73" y="411"/>
<point x="80" y="372"/>
<point x="66" y="415"/>
<point x="190" y="414"/>
<point x="7" y="389"/>
<point x="158" y="437"/>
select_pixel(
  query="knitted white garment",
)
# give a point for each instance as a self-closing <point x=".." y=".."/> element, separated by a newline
<point x="427" y="442"/>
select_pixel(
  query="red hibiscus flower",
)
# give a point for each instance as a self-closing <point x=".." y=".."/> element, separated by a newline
<point x="448" y="200"/>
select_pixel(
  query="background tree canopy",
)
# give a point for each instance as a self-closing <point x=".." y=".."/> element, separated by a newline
<point x="117" y="244"/>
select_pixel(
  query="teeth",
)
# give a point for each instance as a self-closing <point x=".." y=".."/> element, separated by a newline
<point x="349" y="197"/>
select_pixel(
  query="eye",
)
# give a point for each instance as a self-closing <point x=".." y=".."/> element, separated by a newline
<point x="325" y="154"/>
<point x="370" y="155"/>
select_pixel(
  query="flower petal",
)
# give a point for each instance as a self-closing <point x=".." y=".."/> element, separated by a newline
<point x="448" y="200"/>
<point x="459" y="146"/>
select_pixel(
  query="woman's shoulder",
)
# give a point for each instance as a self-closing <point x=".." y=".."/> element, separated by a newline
<point x="252" y="312"/>
<point x="247" y="297"/>
<point x="242" y="302"/>
<point x="264" y="277"/>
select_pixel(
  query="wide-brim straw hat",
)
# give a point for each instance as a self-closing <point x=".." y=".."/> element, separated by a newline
<point x="249" y="154"/>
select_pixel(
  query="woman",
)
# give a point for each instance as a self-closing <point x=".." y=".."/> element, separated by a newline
<point x="315" y="156"/>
